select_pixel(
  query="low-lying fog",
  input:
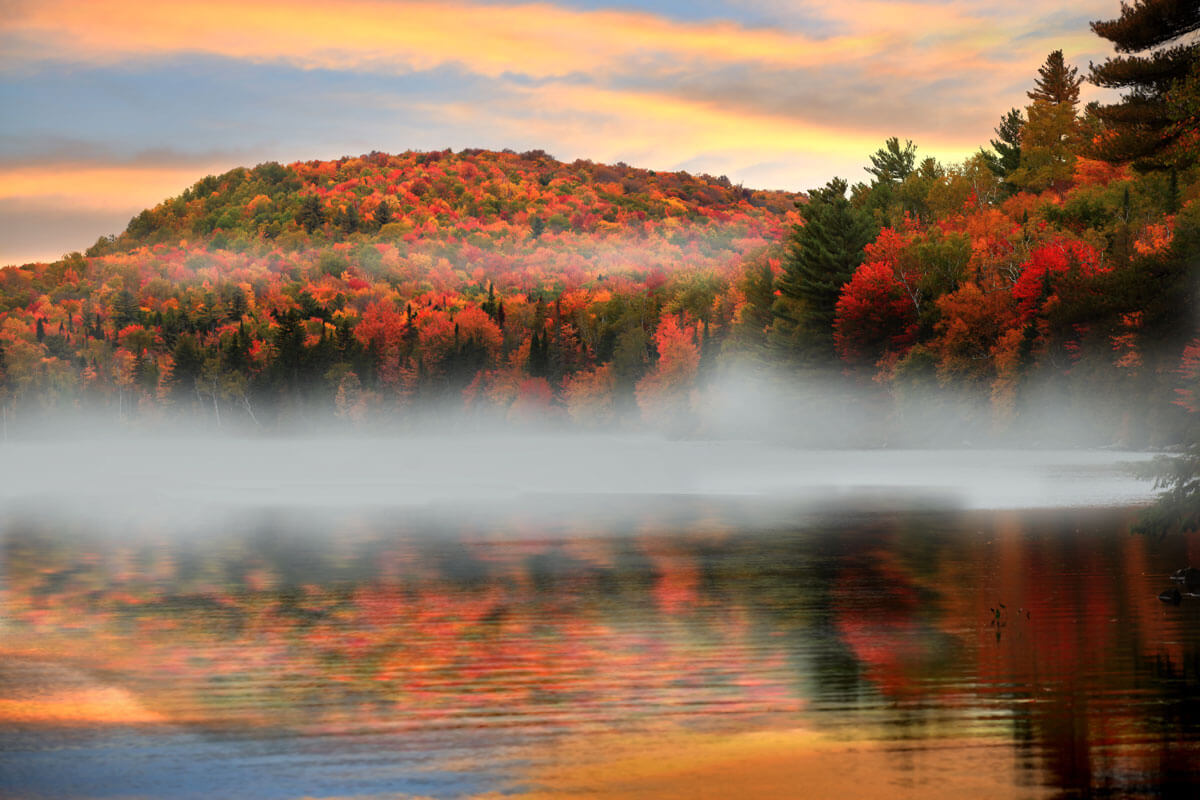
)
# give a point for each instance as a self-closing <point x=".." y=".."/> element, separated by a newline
<point x="187" y="480"/>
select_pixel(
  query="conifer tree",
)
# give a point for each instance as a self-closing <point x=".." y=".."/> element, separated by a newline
<point x="893" y="163"/>
<point x="1049" y="143"/>
<point x="1006" y="148"/>
<point x="311" y="214"/>
<point x="1154" y="126"/>
<point x="1056" y="82"/>
<point x="383" y="214"/>
<point x="822" y="256"/>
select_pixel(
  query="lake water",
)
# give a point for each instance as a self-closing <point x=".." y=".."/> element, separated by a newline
<point x="547" y="619"/>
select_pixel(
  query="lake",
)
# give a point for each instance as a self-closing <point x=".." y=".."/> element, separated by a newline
<point x="535" y="617"/>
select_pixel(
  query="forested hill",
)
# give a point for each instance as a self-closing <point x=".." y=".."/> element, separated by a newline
<point x="362" y="288"/>
<point x="475" y="197"/>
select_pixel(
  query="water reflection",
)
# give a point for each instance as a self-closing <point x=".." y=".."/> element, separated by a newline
<point x="1014" y="653"/>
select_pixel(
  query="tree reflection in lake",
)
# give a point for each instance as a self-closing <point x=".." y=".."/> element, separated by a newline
<point x="921" y="651"/>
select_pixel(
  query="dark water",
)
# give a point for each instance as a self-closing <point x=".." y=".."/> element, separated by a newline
<point x="879" y="652"/>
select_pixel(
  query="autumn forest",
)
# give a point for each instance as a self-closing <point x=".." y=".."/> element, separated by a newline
<point x="951" y="301"/>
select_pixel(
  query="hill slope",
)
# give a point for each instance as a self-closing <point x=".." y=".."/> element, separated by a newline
<point x="481" y="197"/>
<point x="368" y="284"/>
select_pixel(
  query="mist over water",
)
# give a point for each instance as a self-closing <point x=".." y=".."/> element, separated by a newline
<point x="189" y="480"/>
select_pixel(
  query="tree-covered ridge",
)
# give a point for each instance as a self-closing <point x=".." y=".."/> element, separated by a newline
<point x="490" y="199"/>
<point x="375" y="284"/>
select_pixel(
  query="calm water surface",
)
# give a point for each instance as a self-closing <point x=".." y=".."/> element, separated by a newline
<point x="686" y="646"/>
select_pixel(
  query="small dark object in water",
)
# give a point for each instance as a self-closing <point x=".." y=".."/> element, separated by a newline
<point x="1171" y="596"/>
<point x="1189" y="577"/>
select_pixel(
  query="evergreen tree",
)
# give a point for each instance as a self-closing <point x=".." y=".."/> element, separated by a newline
<point x="1156" y="120"/>
<point x="348" y="219"/>
<point x="189" y="361"/>
<point x="126" y="310"/>
<point x="383" y="214"/>
<point x="489" y="306"/>
<point x="1056" y="82"/>
<point x="238" y="304"/>
<point x="1006" y="148"/>
<point x="1049" y="143"/>
<point x="892" y="163"/>
<point x="311" y="214"/>
<point x="822" y="256"/>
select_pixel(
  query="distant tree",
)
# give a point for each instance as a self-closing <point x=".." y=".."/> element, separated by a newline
<point x="875" y="316"/>
<point x="893" y="163"/>
<point x="663" y="394"/>
<point x="383" y="214"/>
<point x="125" y="309"/>
<point x="1048" y="147"/>
<point x="822" y="255"/>
<point x="311" y="214"/>
<point x="189" y="362"/>
<point x="348" y="219"/>
<point x="238" y="305"/>
<point x="1005" y="156"/>
<point x="1155" y="124"/>
<point x="752" y="319"/>
<point x="1056" y="82"/>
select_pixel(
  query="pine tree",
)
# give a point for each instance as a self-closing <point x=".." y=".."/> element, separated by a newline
<point x="891" y="163"/>
<point x="348" y="219"/>
<point x="1007" y="146"/>
<point x="1154" y="126"/>
<point x="1049" y="143"/>
<point x="823" y="254"/>
<point x="1056" y="82"/>
<point x="383" y="214"/>
<point x="311" y="214"/>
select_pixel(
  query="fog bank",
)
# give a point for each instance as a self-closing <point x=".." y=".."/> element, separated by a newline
<point x="183" y="480"/>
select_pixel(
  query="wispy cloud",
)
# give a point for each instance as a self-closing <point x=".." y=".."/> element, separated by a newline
<point x="531" y="39"/>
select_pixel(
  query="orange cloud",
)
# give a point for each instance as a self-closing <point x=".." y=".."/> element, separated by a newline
<point x="538" y="39"/>
<point x="533" y="39"/>
<point x="656" y="129"/>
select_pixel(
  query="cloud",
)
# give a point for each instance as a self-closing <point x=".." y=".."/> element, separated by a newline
<point x="60" y="153"/>
<point x="494" y="39"/>
<point x="535" y="39"/>
<point x="856" y="65"/>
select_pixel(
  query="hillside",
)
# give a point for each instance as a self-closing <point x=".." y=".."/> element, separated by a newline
<point x="490" y="200"/>
<point x="373" y="283"/>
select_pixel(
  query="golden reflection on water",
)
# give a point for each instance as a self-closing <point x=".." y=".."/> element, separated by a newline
<point x="784" y="763"/>
<point x="921" y="655"/>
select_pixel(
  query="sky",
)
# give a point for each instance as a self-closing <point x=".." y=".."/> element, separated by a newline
<point x="110" y="107"/>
